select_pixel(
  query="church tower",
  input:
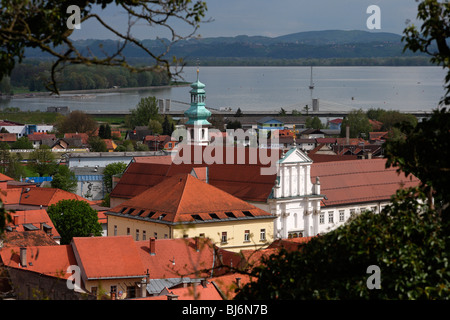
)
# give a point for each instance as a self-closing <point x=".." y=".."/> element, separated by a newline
<point x="197" y="114"/>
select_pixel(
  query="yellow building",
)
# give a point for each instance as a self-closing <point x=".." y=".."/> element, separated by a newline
<point x="183" y="206"/>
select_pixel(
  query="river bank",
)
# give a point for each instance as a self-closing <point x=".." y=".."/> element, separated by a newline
<point x="89" y="91"/>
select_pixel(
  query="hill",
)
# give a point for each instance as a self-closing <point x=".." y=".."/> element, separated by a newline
<point x="243" y="49"/>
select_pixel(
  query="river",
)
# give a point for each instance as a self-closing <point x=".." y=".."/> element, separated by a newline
<point x="273" y="88"/>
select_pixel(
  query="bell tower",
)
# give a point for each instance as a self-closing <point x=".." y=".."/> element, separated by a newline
<point x="197" y="114"/>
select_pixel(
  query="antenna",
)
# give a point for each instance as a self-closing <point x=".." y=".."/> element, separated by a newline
<point x="311" y="84"/>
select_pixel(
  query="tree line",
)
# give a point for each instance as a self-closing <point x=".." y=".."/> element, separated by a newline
<point x="34" y="75"/>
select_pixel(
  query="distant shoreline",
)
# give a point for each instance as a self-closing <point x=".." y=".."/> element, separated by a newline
<point x="47" y="94"/>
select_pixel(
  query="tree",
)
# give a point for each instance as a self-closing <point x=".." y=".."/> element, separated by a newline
<point x="43" y="161"/>
<point x="155" y="126"/>
<point x="111" y="170"/>
<point x="167" y="125"/>
<point x="74" y="218"/>
<point x="21" y="27"/>
<point x="146" y="110"/>
<point x="77" y="122"/>
<point x="104" y="131"/>
<point x="406" y="241"/>
<point x="22" y="143"/>
<point x="433" y="36"/>
<point x="282" y="112"/>
<point x="238" y="113"/>
<point x="97" y="144"/>
<point x="65" y="179"/>
<point x="314" y="123"/>
<point x="358" y="122"/>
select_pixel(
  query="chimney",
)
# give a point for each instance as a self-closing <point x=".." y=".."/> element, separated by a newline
<point x="152" y="246"/>
<point x="172" y="296"/>
<point x="347" y="135"/>
<point x="197" y="248"/>
<point x="23" y="257"/>
<point x="238" y="282"/>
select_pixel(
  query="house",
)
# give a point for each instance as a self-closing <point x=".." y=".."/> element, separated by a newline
<point x="9" y="138"/>
<point x="37" y="138"/>
<point x="354" y="186"/>
<point x="40" y="272"/>
<point x="32" y="220"/>
<point x="378" y="137"/>
<point x="269" y="124"/>
<point x="174" y="209"/>
<point x="83" y="136"/>
<point x="312" y="134"/>
<point x="116" y="267"/>
<point x="110" y="145"/>
<point x="138" y="133"/>
<point x="160" y="142"/>
<point x="21" y="130"/>
<point x="335" y="124"/>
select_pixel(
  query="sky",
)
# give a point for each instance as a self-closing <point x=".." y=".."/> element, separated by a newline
<point x="268" y="18"/>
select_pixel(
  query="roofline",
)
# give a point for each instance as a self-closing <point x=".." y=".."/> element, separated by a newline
<point x="117" y="214"/>
<point x="121" y="277"/>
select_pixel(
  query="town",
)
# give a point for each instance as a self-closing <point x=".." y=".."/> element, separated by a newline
<point x="166" y="229"/>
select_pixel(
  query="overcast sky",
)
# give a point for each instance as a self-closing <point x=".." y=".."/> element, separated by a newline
<point x="270" y="18"/>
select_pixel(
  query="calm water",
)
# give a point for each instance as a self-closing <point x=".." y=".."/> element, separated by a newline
<point x="272" y="88"/>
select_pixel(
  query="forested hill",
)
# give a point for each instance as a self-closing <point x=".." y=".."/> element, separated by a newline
<point x="342" y="47"/>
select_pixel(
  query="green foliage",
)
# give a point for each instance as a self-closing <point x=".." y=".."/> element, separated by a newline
<point x="433" y="36"/>
<point x="358" y="122"/>
<point x="74" y="218"/>
<point x="146" y="110"/>
<point x="407" y="241"/>
<point x="22" y="143"/>
<point x="313" y="123"/>
<point x="43" y="161"/>
<point x="97" y="144"/>
<point x="64" y="179"/>
<point x="104" y="131"/>
<point x="77" y="122"/>
<point x="425" y="153"/>
<point x="112" y="169"/>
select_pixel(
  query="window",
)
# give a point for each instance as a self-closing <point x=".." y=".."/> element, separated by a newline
<point x="94" y="291"/>
<point x="224" y="237"/>
<point x="246" y="235"/>
<point x="128" y="231"/>
<point x="131" y="292"/>
<point x="341" y="215"/>
<point x="262" y="235"/>
<point x="113" y="289"/>
<point x="363" y="210"/>
<point x="330" y="216"/>
<point x="374" y="209"/>
<point x="144" y="235"/>
<point x="115" y="230"/>
<point x="322" y="218"/>
<point x="137" y="234"/>
<point x="155" y="235"/>
<point x="352" y="212"/>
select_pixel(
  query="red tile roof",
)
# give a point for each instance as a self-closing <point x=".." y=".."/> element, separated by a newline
<point x="108" y="257"/>
<point x="48" y="260"/>
<point x="179" y="199"/>
<point x="240" y="180"/>
<point x="84" y="136"/>
<point x="27" y="239"/>
<point x="22" y="219"/>
<point x="47" y="196"/>
<point x="358" y="181"/>
<point x="227" y="284"/>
